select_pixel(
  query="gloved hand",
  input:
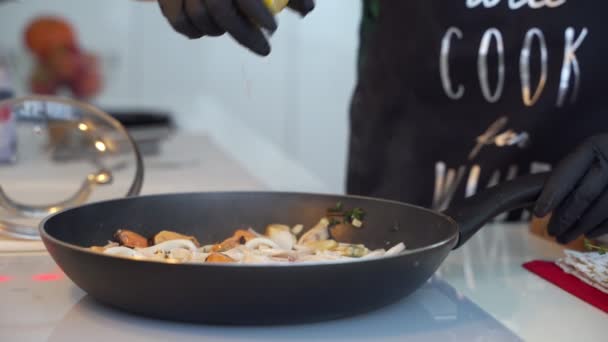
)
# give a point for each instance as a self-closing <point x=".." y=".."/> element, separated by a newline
<point x="577" y="194"/>
<point x="242" y="19"/>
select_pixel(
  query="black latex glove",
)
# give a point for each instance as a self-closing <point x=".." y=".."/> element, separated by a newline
<point x="242" y="19"/>
<point x="576" y="193"/>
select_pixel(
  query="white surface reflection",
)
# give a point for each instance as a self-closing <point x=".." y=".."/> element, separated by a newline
<point x="488" y="270"/>
<point x="42" y="304"/>
<point x="433" y="313"/>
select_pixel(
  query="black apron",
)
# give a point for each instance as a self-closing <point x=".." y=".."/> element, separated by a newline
<point x="455" y="96"/>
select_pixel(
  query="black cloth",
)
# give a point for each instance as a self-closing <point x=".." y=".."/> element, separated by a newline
<point x="403" y="123"/>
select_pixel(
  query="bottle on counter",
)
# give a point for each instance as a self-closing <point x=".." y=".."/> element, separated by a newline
<point x="8" y="127"/>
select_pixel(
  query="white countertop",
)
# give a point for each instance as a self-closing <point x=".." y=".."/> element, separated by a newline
<point x="488" y="270"/>
<point x="41" y="304"/>
<point x="38" y="303"/>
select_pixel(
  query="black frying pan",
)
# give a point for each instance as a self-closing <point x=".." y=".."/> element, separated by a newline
<point x="246" y="294"/>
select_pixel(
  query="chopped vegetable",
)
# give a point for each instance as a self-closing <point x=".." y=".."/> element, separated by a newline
<point x="206" y="248"/>
<point x="353" y="251"/>
<point x="595" y="248"/>
<point x="122" y="251"/>
<point x="100" y="249"/>
<point x="323" y="245"/>
<point x="167" y="246"/>
<point x="297" y="229"/>
<point x="179" y="254"/>
<point x="166" y="235"/>
<point x="398" y="248"/>
<point x="257" y="242"/>
<point x="281" y="235"/>
<point x="337" y="215"/>
<point x="334" y="222"/>
<point x="316" y="233"/>
<point x="278" y="245"/>
<point x="336" y="209"/>
<point x="354" y="214"/>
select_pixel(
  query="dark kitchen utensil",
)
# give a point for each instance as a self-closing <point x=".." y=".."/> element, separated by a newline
<point x="249" y="294"/>
<point x="142" y="118"/>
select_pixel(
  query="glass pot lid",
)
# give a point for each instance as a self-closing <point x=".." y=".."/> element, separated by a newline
<point x="58" y="153"/>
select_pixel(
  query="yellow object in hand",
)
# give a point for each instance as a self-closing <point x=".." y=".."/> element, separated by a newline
<point x="276" y="6"/>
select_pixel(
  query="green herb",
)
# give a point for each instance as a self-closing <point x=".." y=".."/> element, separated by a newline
<point x="334" y="222"/>
<point x="595" y="248"/>
<point x="338" y="215"/>
<point x="336" y="209"/>
<point x="356" y="213"/>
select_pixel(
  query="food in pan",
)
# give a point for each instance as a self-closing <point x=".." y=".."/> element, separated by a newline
<point x="279" y="244"/>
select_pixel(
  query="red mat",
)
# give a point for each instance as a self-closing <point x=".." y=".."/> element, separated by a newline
<point x="554" y="274"/>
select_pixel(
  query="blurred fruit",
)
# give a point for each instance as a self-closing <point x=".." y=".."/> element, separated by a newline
<point x="47" y="34"/>
<point x="43" y="81"/>
<point x="60" y="63"/>
<point x="86" y="85"/>
<point x="89" y="61"/>
<point x="65" y="63"/>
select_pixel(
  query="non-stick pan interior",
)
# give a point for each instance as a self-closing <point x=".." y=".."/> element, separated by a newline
<point x="212" y="217"/>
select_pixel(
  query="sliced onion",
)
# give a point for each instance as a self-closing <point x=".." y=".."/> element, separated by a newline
<point x="297" y="229"/>
<point x="254" y="232"/>
<point x="236" y="253"/>
<point x="374" y="254"/>
<point x="317" y="233"/>
<point x="123" y="251"/>
<point x="206" y="249"/>
<point x="284" y="239"/>
<point x="180" y="254"/>
<point x="255" y="243"/>
<point x="199" y="257"/>
<point x="169" y="245"/>
<point x="398" y="248"/>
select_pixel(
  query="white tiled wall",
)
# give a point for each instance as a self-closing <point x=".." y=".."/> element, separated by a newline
<point x="297" y="98"/>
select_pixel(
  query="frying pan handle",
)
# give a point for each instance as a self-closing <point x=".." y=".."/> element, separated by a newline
<point x="472" y="213"/>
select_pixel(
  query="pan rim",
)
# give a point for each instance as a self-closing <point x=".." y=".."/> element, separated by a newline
<point x="453" y="238"/>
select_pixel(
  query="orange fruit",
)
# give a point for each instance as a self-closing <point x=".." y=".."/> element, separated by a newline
<point x="86" y="85"/>
<point x="43" y="81"/>
<point x="46" y="34"/>
<point x="64" y="63"/>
